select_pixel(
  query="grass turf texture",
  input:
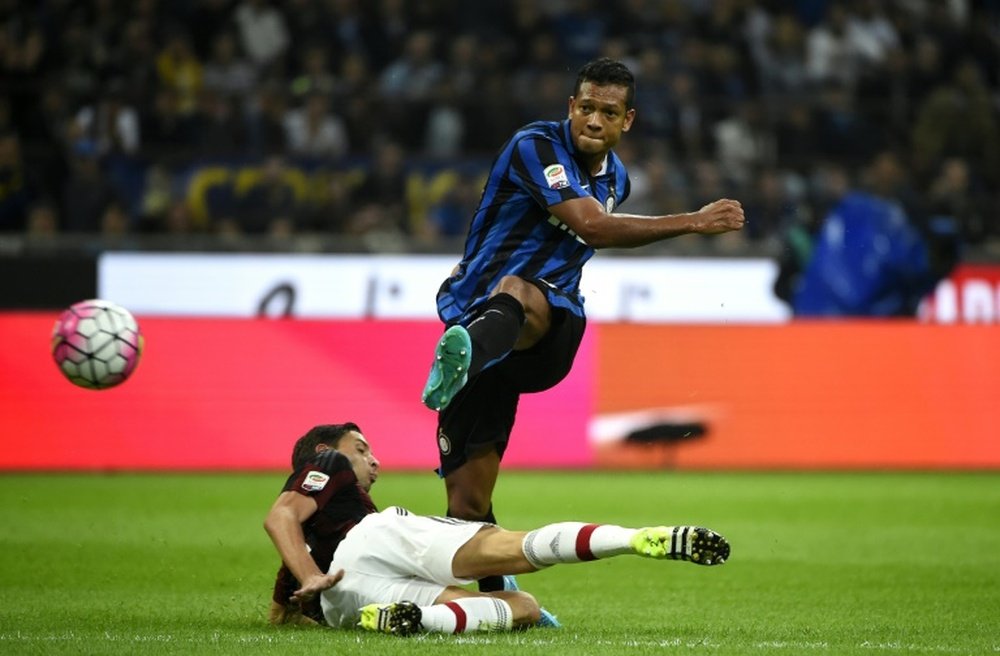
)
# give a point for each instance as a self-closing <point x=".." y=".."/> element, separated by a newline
<point x="822" y="564"/>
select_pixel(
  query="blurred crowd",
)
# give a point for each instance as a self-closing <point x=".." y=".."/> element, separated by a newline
<point x="356" y="117"/>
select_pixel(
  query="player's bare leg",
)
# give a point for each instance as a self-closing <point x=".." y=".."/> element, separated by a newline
<point x="537" y="312"/>
<point x="494" y="550"/>
<point x="470" y="487"/>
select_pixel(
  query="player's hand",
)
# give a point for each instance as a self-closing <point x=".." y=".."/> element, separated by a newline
<point x="290" y="614"/>
<point x="723" y="215"/>
<point x="315" y="585"/>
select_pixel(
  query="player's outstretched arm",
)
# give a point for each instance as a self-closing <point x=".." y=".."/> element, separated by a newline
<point x="284" y="526"/>
<point x="588" y="219"/>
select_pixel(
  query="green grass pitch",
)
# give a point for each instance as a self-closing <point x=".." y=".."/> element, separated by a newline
<point x="831" y="563"/>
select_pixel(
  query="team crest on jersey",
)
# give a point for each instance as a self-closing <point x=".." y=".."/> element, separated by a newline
<point x="315" y="481"/>
<point x="444" y="444"/>
<point x="555" y="176"/>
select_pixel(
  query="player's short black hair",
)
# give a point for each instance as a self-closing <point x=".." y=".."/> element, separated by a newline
<point x="605" y="71"/>
<point x="329" y="434"/>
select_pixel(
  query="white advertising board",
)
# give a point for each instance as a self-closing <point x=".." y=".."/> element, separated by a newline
<point x="404" y="287"/>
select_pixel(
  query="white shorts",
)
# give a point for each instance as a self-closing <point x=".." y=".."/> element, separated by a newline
<point x="394" y="556"/>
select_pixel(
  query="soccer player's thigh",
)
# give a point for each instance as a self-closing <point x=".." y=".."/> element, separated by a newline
<point x="550" y="360"/>
<point x="480" y="417"/>
<point x="394" y="556"/>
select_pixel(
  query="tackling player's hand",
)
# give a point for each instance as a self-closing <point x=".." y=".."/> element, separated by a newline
<point x="291" y="614"/>
<point x="315" y="585"/>
<point x="720" y="216"/>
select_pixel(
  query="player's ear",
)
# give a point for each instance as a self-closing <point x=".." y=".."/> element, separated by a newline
<point x="629" y="117"/>
<point x="569" y="110"/>
<point x="320" y="448"/>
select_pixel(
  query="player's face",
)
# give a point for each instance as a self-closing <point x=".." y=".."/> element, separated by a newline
<point x="365" y="465"/>
<point x="598" y="118"/>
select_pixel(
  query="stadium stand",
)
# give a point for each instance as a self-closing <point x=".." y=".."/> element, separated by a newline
<point x="369" y="125"/>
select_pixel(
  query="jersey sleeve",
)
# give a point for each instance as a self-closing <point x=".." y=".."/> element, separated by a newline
<point x="545" y="170"/>
<point x="323" y="477"/>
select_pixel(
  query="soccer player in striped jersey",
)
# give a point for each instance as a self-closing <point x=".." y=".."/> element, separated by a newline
<point x="512" y="307"/>
<point x="346" y="564"/>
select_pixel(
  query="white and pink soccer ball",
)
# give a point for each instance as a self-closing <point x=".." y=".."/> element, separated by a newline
<point x="97" y="344"/>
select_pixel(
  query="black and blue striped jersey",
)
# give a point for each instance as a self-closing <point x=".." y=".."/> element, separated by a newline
<point x="513" y="233"/>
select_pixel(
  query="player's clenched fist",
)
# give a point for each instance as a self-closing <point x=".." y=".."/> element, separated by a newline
<point x="720" y="216"/>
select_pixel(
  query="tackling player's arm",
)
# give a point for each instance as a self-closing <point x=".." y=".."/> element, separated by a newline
<point x="284" y="526"/>
<point x="588" y="219"/>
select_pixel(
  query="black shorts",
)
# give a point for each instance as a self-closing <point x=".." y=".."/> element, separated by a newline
<point x="482" y="413"/>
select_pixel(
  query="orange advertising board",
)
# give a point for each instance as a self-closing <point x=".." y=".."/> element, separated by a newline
<point x="852" y="394"/>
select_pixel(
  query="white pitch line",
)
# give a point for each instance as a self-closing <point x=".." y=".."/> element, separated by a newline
<point x="678" y="644"/>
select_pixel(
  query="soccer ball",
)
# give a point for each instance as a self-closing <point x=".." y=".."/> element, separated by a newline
<point x="97" y="344"/>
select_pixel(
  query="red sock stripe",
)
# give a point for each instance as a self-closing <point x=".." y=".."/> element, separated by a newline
<point x="583" y="551"/>
<point x="460" y="617"/>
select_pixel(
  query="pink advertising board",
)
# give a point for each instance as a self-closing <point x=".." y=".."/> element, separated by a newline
<point x="220" y="394"/>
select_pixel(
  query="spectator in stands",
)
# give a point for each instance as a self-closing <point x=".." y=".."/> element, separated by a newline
<point x="154" y="200"/>
<point x="407" y="86"/>
<point x="955" y="195"/>
<point x="871" y="33"/>
<point x="868" y="258"/>
<point x="773" y="204"/>
<point x="744" y="143"/>
<point x="780" y="58"/>
<point x="446" y="126"/>
<point x="314" y="75"/>
<point x="266" y="121"/>
<point x="110" y="123"/>
<point x="179" y="69"/>
<point x="832" y="79"/>
<point x="580" y="27"/>
<point x="844" y="133"/>
<point x="169" y="135"/>
<point x="312" y="130"/>
<point x="15" y="197"/>
<point x="388" y="36"/>
<point x="449" y="216"/>
<point x="797" y="137"/>
<point x="88" y="192"/>
<point x="133" y="61"/>
<point x="797" y="234"/>
<point x="831" y="54"/>
<point x="43" y="220"/>
<point x="380" y="200"/>
<point x="219" y="128"/>
<point x="959" y="119"/>
<point x="355" y="97"/>
<point x="226" y="72"/>
<point x="263" y="34"/>
<point x="329" y="209"/>
<point x="658" y="183"/>
<point x="207" y="21"/>
<point x="688" y="130"/>
<point x="115" y="222"/>
<point x="722" y="81"/>
<point x="655" y="104"/>
<point x="271" y="203"/>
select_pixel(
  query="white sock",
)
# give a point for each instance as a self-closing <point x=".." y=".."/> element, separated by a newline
<point x="573" y="542"/>
<point x="468" y="614"/>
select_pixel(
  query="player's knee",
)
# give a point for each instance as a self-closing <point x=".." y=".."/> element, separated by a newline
<point x="513" y="285"/>
<point x="471" y="507"/>
<point x="525" y="608"/>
